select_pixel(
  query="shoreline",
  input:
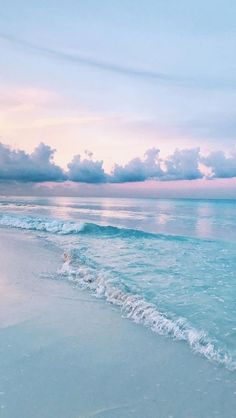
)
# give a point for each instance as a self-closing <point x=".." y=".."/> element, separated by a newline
<point x="65" y="353"/>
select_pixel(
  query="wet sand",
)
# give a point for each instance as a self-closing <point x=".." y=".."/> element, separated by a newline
<point x="67" y="354"/>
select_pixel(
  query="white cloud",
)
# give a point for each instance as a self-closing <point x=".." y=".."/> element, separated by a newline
<point x="139" y="169"/>
<point x="86" y="170"/>
<point x="186" y="164"/>
<point x="221" y="165"/>
<point x="35" y="167"/>
<point x="183" y="165"/>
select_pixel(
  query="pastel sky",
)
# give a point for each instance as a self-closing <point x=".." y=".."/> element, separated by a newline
<point x="118" y="78"/>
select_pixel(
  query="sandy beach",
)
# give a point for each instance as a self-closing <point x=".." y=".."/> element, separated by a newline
<point x="64" y="353"/>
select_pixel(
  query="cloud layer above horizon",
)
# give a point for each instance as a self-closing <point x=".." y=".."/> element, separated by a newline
<point x="185" y="164"/>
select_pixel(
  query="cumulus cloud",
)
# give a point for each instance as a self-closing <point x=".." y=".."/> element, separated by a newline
<point x="36" y="167"/>
<point x="183" y="165"/>
<point x="86" y="170"/>
<point x="221" y="165"/>
<point x="138" y="169"/>
<point x="186" y="164"/>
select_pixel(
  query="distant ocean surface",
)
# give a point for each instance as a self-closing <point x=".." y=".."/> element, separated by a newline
<point x="169" y="265"/>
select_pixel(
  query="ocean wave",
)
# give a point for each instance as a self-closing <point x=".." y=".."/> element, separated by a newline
<point x="66" y="227"/>
<point x="102" y="283"/>
<point x="38" y="224"/>
<point x="141" y="311"/>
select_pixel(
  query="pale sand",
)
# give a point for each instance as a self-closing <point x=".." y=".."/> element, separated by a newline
<point x="66" y="354"/>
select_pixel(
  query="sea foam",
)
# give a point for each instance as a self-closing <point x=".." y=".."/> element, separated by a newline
<point x="31" y="223"/>
<point x="134" y="306"/>
<point x="143" y="312"/>
<point x="67" y="227"/>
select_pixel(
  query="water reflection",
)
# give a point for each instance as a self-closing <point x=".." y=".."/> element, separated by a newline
<point x="205" y="219"/>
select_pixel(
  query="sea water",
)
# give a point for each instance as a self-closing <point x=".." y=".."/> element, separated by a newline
<point x="169" y="265"/>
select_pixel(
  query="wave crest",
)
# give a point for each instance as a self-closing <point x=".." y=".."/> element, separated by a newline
<point x="64" y="227"/>
<point x="143" y="312"/>
<point x="39" y="224"/>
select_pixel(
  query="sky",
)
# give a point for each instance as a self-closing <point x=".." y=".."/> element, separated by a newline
<point x="107" y="97"/>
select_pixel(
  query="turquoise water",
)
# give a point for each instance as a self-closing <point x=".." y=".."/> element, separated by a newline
<point x="169" y="265"/>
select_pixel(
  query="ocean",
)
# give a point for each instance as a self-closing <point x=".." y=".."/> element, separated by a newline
<point x="168" y="265"/>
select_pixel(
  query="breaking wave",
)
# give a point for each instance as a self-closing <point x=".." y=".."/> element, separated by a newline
<point x="141" y="311"/>
<point x="62" y="227"/>
<point x="101" y="282"/>
<point x="39" y="224"/>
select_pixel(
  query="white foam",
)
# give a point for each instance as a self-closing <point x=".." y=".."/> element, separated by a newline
<point x="38" y="224"/>
<point x="141" y="311"/>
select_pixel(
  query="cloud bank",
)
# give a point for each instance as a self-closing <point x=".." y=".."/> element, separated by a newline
<point x="186" y="164"/>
